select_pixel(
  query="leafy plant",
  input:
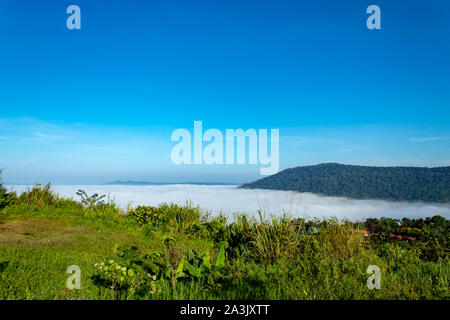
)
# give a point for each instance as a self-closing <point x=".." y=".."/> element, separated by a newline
<point x="148" y="215"/>
<point x="91" y="201"/>
<point x="168" y="217"/>
<point x="120" y="277"/>
<point x="5" y="199"/>
<point x="205" y="265"/>
<point x="38" y="196"/>
<point x="175" y="261"/>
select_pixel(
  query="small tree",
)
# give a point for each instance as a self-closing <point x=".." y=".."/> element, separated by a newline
<point x="91" y="201"/>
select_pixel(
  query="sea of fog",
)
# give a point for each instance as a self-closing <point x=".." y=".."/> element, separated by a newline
<point x="228" y="199"/>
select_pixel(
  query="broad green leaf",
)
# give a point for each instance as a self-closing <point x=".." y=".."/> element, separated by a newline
<point x="206" y="262"/>
<point x="192" y="271"/>
<point x="220" y="260"/>
<point x="180" y="268"/>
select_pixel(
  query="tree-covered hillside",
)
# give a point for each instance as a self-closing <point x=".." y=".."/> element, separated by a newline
<point x="361" y="182"/>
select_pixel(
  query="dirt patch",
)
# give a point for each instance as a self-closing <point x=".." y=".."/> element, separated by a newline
<point x="36" y="231"/>
<point x="29" y="225"/>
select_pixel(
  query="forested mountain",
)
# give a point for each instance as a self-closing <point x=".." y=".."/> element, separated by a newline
<point x="363" y="182"/>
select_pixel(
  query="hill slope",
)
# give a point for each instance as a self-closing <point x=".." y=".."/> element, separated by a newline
<point x="362" y="182"/>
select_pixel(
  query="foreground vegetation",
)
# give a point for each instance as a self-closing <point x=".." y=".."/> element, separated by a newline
<point x="179" y="252"/>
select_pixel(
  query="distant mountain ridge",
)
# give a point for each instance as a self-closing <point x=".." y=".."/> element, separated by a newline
<point x="146" y="183"/>
<point x="363" y="182"/>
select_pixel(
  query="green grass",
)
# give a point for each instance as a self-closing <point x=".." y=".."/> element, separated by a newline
<point x="280" y="258"/>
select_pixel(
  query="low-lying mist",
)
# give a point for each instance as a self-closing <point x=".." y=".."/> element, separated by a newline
<point x="230" y="199"/>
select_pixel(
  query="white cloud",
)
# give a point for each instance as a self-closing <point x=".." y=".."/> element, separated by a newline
<point x="31" y="129"/>
<point x="427" y="139"/>
<point x="39" y="136"/>
<point x="230" y="199"/>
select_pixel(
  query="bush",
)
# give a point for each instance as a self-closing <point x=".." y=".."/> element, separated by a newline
<point x="168" y="217"/>
<point x="235" y="236"/>
<point x="38" y="196"/>
<point x="92" y="201"/>
<point x="148" y="215"/>
<point x="121" y="279"/>
<point x="6" y="198"/>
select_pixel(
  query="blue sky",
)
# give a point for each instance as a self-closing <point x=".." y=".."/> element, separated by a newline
<point x="100" y="103"/>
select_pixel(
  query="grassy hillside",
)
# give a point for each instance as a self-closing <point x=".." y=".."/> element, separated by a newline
<point x="360" y="182"/>
<point x="178" y="252"/>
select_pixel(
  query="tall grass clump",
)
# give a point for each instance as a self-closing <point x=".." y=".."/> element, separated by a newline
<point x="274" y="238"/>
<point x="37" y="196"/>
<point x="182" y="218"/>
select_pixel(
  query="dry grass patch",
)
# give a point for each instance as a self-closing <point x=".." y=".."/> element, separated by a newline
<point x="38" y="232"/>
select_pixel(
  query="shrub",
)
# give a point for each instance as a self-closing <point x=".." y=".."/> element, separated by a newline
<point x="93" y="201"/>
<point x="4" y="201"/>
<point x="6" y="198"/>
<point x="341" y="241"/>
<point x="120" y="278"/>
<point x="216" y="229"/>
<point x="38" y="196"/>
<point x="200" y="264"/>
<point x="148" y="215"/>
<point x="235" y="237"/>
<point x="168" y="217"/>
